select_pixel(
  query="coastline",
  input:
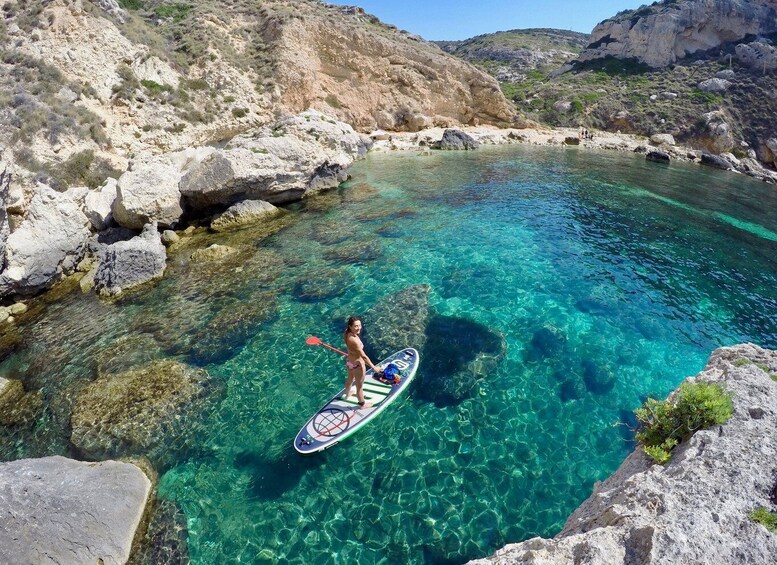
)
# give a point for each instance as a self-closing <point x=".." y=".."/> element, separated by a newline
<point x="385" y="142"/>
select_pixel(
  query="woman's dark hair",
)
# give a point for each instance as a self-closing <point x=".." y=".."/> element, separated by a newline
<point x="351" y="321"/>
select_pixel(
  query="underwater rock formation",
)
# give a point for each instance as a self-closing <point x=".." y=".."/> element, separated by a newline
<point x="397" y="321"/>
<point x="139" y="411"/>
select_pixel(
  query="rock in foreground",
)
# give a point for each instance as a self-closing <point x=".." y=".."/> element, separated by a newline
<point x="57" y="510"/>
<point x="695" y="508"/>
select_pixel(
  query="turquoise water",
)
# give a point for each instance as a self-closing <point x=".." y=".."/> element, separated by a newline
<point x="581" y="282"/>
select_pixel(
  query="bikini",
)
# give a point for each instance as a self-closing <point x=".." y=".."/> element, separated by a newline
<point x="352" y="364"/>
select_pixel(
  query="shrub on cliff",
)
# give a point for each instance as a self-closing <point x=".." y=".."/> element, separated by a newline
<point x="695" y="406"/>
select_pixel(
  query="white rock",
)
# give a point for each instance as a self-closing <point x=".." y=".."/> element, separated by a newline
<point x="70" y="511"/>
<point x="98" y="204"/>
<point x="715" y="85"/>
<point x="662" y="139"/>
<point x="155" y="69"/>
<point x="17" y="308"/>
<point x="148" y="192"/>
<point x="50" y="241"/>
<point x="127" y="264"/>
<point x="246" y="212"/>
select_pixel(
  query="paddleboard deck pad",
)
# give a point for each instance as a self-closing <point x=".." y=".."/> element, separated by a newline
<point x="339" y="418"/>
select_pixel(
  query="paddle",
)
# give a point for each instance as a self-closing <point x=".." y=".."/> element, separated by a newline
<point x="313" y="340"/>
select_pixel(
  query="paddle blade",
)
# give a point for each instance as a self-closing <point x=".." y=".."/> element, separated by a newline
<point x="313" y="340"/>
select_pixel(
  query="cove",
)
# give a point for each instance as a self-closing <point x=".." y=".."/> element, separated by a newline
<point x="559" y="288"/>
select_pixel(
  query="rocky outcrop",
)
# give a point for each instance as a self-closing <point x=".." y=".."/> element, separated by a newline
<point x="50" y="241"/>
<point x="148" y="192"/>
<point x="454" y="139"/>
<point x="57" y="510"/>
<point x="758" y="55"/>
<point x="296" y="156"/>
<point x="98" y="205"/>
<point x="695" y="508"/>
<point x="661" y="34"/>
<point x="246" y="212"/>
<point x="126" y="264"/>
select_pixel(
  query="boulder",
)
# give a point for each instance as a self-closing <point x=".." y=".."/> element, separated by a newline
<point x="139" y="411"/>
<point x="758" y="55"/>
<point x="169" y="237"/>
<point x="714" y="85"/>
<point x="63" y="511"/>
<point x="662" y="139"/>
<point x="126" y="264"/>
<point x="245" y="212"/>
<point x="718" y="137"/>
<point x="98" y="204"/>
<point x="417" y="122"/>
<point x="562" y="106"/>
<point x="571" y="140"/>
<point x="148" y="192"/>
<point x="715" y="161"/>
<point x="454" y="139"/>
<point x="294" y="157"/>
<point x="668" y="95"/>
<point x="695" y="508"/>
<point x="50" y="242"/>
<point x="726" y="74"/>
<point x="214" y="252"/>
<point x="657" y="156"/>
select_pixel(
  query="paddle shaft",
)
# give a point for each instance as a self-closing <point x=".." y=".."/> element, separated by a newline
<point x="332" y="348"/>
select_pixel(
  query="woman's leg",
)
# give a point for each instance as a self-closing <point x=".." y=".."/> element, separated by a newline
<point x="361" y="373"/>
<point x="349" y="380"/>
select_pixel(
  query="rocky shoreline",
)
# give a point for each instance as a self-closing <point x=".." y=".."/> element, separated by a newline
<point x="695" y="508"/>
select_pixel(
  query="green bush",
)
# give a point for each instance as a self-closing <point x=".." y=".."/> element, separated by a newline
<point x="695" y="406"/>
<point x="765" y="518"/>
<point x="239" y="112"/>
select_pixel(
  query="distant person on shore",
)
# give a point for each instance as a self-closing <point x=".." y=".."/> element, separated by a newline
<point x="355" y="361"/>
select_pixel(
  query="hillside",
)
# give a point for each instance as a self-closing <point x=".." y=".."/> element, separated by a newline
<point x="86" y="85"/>
<point x="700" y="70"/>
<point x="513" y="56"/>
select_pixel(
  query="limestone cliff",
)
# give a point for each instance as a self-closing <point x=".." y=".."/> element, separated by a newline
<point x="694" y="509"/>
<point x="373" y="76"/>
<point x="660" y="34"/>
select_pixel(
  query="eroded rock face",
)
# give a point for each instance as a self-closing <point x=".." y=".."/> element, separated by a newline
<point x="391" y="81"/>
<point x="662" y="35"/>
<point x="65" y="511"/>
<point x="695" y="508"/>
<point x="50" y="241"/>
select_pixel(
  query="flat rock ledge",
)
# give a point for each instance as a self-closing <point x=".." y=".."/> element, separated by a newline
<point x="57" y="510"/>
<point x="695" y="508"/>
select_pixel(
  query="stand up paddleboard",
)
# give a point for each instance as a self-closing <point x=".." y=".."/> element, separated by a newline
<point x="339" y="418"/>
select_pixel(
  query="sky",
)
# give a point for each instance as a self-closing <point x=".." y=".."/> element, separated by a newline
<point x="462" y="19"/>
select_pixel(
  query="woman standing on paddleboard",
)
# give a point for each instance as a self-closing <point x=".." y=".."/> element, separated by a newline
<point x="355" y="360"/>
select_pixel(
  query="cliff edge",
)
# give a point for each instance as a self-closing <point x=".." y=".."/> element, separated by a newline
<point x="695" y="508"/>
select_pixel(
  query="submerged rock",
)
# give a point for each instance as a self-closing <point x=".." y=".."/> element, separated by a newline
<point x="17" y="407"/>
<point x="358" y="252"/>
<point x="213" y="252"/>
<point x="225" y="334"/>
<point x="694" y="509"/>
<point x="134" y="412"/>
<point x="326" y="284"/>
<point x="166" y="538"/>
<point x="547" y="341"/>
<point x="397" y="321"/>
<point x="457" y="354"/>
<point x="70" y="511"/>
<point x="657" y="156"/>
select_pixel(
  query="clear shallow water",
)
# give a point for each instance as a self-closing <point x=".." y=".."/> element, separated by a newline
<point x="607" y="277"/>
